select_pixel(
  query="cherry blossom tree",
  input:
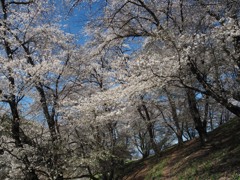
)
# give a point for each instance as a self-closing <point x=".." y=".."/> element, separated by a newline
<point x="181" y="42"/>
<point x="151" y="71"/>
<point x="34" y="59"/>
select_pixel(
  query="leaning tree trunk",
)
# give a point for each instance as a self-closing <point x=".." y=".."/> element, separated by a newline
<point x="210" y="91"/>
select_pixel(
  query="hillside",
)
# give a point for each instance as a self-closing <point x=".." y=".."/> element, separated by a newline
<point x="218" y="159"/>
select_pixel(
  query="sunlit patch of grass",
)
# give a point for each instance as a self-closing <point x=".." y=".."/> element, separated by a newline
<point x="207" y="167"/>
<point x="157" y="171"/>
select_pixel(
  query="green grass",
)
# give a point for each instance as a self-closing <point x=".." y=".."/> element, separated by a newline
<point x="220" y="158"/>
<point x="207" y="167"/>
<point x="156" y="171"/>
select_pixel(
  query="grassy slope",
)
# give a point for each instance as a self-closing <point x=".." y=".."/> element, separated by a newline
<point x="219" y="159"/>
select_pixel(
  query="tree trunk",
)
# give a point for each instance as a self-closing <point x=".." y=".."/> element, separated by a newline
<point x="172" y="104"/>
<point x="199" y="125"/>
<point x="53" y="131"/>
<point x="15" y="123"/>
<point x="180" y="140"/>
<point x="217" y="96"/>
<point x="145" y="154"/>
<point x="150" y="127"/>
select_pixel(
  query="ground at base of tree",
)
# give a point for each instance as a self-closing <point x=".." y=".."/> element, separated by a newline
<point x="218" y="159"/>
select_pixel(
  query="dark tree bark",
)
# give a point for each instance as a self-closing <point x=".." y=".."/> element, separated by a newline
<point x="49" y="114"/>
<point x="15" y="123"/>
<point x="200" y="125"/>
<point x="178" y="131"/>
<point x="11" y="98"/>
<point x="214" y="93"/>
<point x="150" y="127"/>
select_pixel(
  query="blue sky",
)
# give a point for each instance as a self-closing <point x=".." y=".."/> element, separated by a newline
<point x="76" y="20"/>
<point x="74" y="24"/>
